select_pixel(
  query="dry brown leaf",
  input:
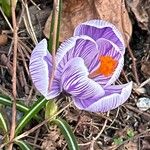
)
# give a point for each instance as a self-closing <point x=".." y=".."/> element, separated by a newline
<point x="78" y="11"/>
<point x="145" y="67"/>
<point x="131" y="146"/>
<point x="53" y="140"/>
<point x="141" y="11"/>
<point x="3" y="39"/>
<point x="145" y="144"/>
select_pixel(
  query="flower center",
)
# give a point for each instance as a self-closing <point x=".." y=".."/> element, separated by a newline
<point x="106" y="68"/>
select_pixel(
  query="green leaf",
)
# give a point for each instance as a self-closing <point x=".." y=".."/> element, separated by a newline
<point x="30" y="114"/>
<point x="23" y="145"/>
<point x="118" y="141"/>
<point x="130" y="133"/>
<point x="6" y="7"/>
<point x="58" y="27"/>
<point x="67" y="132"/>
<point x="3" y="126"/>
<point x="51" y="109"/>
<point x="50" y="42"/>
<point x="5" y="100"/>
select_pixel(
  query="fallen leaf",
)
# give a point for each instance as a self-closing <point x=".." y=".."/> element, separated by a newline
<point x="145" y="67"/>
<point x="145" y="144"/>
<point x="3" y="39"/>
<point x="131" y="146"/>
<point x="53" y="139"/>
<point x="141" y="11"/>
<point x="78" y="11"/>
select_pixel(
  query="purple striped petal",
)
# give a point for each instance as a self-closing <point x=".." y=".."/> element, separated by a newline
<point x="115" y="96"/>
<point x="101" y="29"/>
<point x="78" y="46"/>
<point x="107" y="48"/>
<point x="75" y="81"/>
<point x="40" y="69"/>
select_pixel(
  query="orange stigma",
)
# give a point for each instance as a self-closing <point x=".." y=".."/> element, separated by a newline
<point x="106" y="68"/>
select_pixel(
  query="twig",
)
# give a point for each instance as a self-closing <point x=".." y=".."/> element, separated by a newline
<point x="123" y="73"/>
<point x="56" y="14"/>
<point x="36" y="138"/>
<point x="35" y="4"/>
<point x="99" y="134"/>
<point x="145" y="82"/>
<point x="25" y="46"/>
<point x="21" y="15"/>
<point x="23" y="59"/>
<point x="28" y="23"/>
<point x="6" y="19"/>
<point x="114" y="119"/>
<point x="30" y="95"/>
<point x="15" y="38"/>
<point x="133" y="65"/>
<point x="147" y="115"/>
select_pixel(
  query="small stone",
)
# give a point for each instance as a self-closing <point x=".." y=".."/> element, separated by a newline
<point x="143" y="103"/>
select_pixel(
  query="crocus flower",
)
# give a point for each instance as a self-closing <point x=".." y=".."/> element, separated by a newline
<point x="87" y="65"/>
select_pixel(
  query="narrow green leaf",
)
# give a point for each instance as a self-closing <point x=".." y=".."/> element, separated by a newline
<point x="50" y="42"/>
<point x="30" y="114"/>
<point x="5" y="100"/>
<point x="130" y="133"/>
<point x="118" y="140"/>
<point x="6" y="7"/>
<point x="23" y="145"/>
<point x="51" y="109"/>
<point x="67" y="132"/>
<point x="58" y="27"/>
<point x="3" y="126"/>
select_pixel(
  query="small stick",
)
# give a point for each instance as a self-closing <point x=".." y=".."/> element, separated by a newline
<point x="147" y="115"/>
<point x="145" y="82"/>
<point x="123" y="73"/>
<point x="28" y="23"/>
<point x="15" y="35"/>
<point x="25" y="52"/>
<point x="6" y="19"/>
<point x="25" y="46"/>
<point x="99" y="134"/>
<point x="35" y="4"/>
<point x="133" y="65"/>
<point x="55" y="9"/>
<point x="36" y="137"/>
<point x="30" y="95"/>
<point x="23" y="59"/>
